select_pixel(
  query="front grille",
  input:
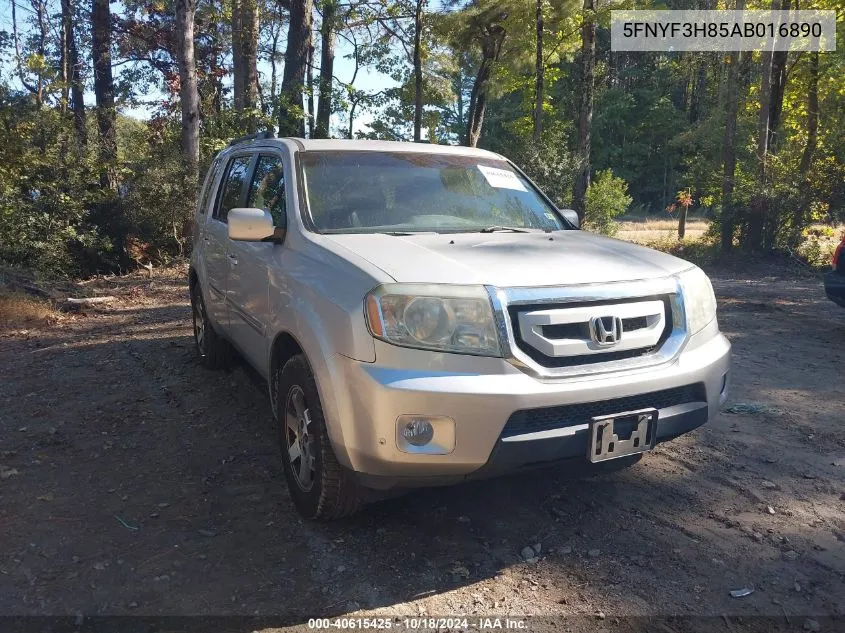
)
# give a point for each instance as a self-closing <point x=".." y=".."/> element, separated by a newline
<point x="547" y="418"/>
<point x="580" y="330"/>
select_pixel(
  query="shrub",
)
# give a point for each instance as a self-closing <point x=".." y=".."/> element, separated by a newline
<point x="607" y="198"/>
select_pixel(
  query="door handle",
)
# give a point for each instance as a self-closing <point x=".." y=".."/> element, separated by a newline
<point x="233" y="258"/>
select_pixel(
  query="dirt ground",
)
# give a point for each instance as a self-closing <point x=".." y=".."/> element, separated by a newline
<point x="134" y="482"/>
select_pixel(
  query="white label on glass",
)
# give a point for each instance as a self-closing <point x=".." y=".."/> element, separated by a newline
<point x="501" y="178"/>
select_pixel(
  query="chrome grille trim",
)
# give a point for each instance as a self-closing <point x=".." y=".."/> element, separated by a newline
<point x="666" y="288"/>
<point x="533" y="324"/>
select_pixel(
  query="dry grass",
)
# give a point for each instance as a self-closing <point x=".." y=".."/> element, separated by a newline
<point x="22" y="310"/>
<point x="649" y="229"/>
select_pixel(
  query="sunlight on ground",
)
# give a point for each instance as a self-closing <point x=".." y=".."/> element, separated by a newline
<point x="635" y="229"/>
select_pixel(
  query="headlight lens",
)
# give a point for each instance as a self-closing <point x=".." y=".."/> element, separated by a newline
<point x="699" y="300"/>
<point x="447" y="318"/>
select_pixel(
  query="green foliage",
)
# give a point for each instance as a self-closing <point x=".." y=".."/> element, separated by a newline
<point x="54" y="215"/>
<point x="658" y="123"/>
<point x="607" y="198"/>
<point x="45" y="180"/>
<point x="548" y="163"/>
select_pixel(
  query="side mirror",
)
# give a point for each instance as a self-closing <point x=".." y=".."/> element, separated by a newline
<point x="571" y="216"/>
<point x="250" y="225"/>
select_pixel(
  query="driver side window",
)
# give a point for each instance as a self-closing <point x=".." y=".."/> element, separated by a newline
<point x="267" y="189"/>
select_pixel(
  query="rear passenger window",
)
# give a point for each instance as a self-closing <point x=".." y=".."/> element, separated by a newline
<point x="267" y="190"/>
<point x="231" y="191"/>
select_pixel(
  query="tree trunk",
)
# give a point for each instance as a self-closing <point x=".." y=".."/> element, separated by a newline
<point x="104" y="92"/>
<point x="70" y="69"/>
<point x="764" y="119"/>
<point x="188" y="94"/>
<point x="585" y="118"/>
<point x="249" y="58"/>
<point x="64" y="57"/>
<point x="237" y="56"/>
<point x="752" y="234"/>
<point x="728" y="223"/>
<point x="327" y="48"/>
<point x="418" y="74"/>
<point x="728" y="219"/>
<point x="779" y="59"/>
<point x="291" y="120"/>
<point x="491" y="47"/>
<point x="682" y="222"/>
<point x="809" y="148"/>
<point x="309" y="84"/>
<point x="539" y="72"/>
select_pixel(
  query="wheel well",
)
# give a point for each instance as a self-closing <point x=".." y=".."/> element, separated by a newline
<point x="285" y="347"/>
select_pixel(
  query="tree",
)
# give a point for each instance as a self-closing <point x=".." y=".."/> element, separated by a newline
<point x="245" y="29"/>
<point x="37" y="87"/>
<point x="101" y="31"/>
<point x="727" y="225"/>
<point x="291" y="113"/>
<point x="418" y="71"/>
<point x="188" y="94"/>
<point x="485" y="28"/>
<point x="585" y="116"/>
<point x="328" y="35"/>
<point x="799" y="218"/>
<point x="539" y="72"/>
<point x="71" y="70"/>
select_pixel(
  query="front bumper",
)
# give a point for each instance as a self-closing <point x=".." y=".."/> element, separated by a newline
<point x="480" y="394"/>
<point x="834" y="287"/>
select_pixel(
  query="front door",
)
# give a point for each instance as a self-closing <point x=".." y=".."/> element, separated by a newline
<point x="216" y="240"/>
<point x="249" y="274"/>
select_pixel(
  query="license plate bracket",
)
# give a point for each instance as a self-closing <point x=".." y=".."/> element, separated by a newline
<point x="605" y="442"/>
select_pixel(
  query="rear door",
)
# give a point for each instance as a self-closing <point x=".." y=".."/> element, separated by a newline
<point x="216" y="238"/>
<point x="249" y="272"/>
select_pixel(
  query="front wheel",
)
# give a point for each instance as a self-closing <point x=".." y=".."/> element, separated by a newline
<point x="320" y="487"/>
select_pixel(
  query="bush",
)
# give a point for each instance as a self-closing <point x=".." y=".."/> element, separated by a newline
<point x="607" y="198"/>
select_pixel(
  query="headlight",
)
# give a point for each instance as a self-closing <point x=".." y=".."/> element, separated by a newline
<point x="699" y="301"/>
<point x="446" y="318"/>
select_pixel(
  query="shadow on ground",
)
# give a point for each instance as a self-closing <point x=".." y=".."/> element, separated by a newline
<point x="137" y="482"/>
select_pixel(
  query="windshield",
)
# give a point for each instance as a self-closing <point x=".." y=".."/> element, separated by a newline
<point x="404" y="192"/>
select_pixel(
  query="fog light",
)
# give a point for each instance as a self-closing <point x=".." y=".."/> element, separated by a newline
<point x="431" y="435"/>
<point x="418" y="432"/>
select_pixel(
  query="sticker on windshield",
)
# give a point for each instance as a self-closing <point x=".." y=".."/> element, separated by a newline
<point x="501" y="178"/>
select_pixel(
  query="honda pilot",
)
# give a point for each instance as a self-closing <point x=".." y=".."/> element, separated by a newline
<point x="424" y="315"/>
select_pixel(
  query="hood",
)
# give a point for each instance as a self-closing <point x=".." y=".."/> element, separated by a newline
<point x="509" y="259"/>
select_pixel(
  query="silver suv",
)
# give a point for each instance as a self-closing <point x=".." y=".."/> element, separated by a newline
<point x="424" y="315"/>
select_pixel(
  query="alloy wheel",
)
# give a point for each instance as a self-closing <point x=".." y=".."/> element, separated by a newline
<point x="199" y="325"/>
<point x="299" y="439"/>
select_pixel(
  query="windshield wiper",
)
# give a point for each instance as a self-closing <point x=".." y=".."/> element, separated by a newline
<point x="495" y="228"/>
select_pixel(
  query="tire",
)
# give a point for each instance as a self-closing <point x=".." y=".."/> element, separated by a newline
<point x="214" y="351"/>
<point x="326" y="490"/>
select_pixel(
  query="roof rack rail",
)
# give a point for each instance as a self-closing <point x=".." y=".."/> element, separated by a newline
<point x="258" y="136"/>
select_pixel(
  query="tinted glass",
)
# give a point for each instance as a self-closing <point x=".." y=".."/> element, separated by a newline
<point x="209" y="187"/>
<point x="267" y="190"/>
<point x="371" y="192"/>
<point x="231" y="195"/>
